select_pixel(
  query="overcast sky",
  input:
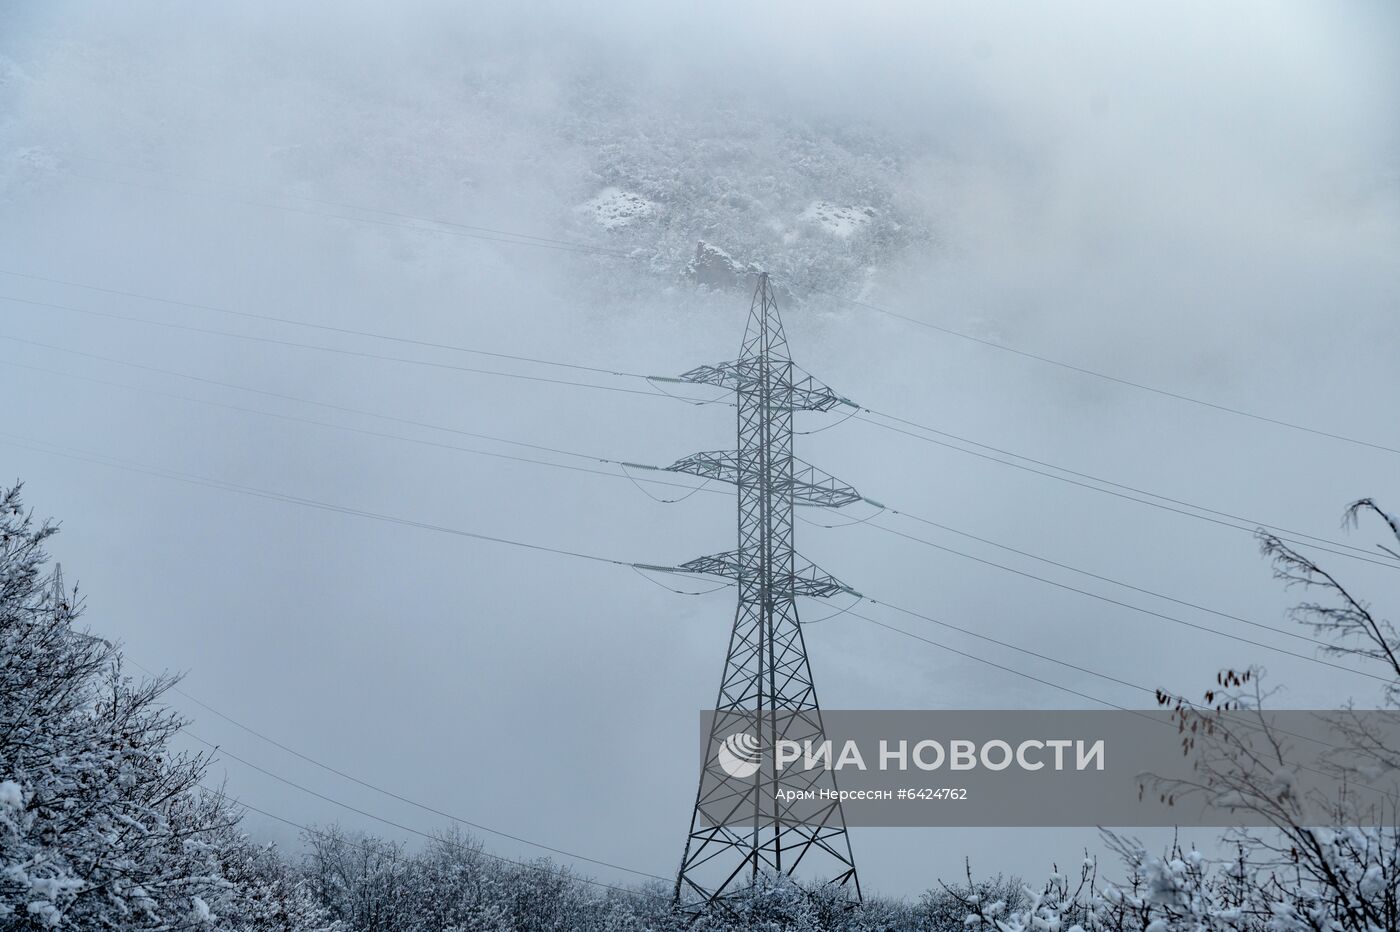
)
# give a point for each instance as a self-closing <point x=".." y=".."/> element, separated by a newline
<point x="1197" y="198"/>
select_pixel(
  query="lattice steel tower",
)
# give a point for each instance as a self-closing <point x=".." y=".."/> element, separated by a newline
<point x="739" y="826"/>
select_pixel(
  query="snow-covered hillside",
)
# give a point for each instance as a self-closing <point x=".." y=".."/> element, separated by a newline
<point x="819" y="206"/>
<point x="629" y="168"/>
<point x="613" y="209"/>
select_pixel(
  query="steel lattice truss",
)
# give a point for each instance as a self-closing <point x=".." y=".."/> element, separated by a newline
<point x="740" y="827"/>
<point x="807" y="485"/>
<point x="807" y="579"/>
<point x="804" y="393"/>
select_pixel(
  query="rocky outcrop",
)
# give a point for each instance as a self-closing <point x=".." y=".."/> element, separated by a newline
<point x="714" y="268"/>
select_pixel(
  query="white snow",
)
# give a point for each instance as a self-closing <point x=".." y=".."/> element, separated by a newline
<point x="837" y="219"/>
<point x="612" y="208"/>
<point x="45" y="913"/>
<point x="1282" y="781"/>
<point x="1372" y="882"/>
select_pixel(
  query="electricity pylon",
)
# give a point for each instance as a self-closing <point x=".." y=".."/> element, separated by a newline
<point x="741" y="826"/>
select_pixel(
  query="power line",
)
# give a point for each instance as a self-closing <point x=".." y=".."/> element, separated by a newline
<point x="1362" y="554"/>
<point x="1030" y="676"/>
<point x="1000" y="643"/>
<point x="87" y="456"/>
<point x="504" y="236"/>
<point x="286" y="498"/>
<point x="343" y="352"/>
<point x="543" y="868"/>
<point x="1326" y="545"/>
<point x="1107" y="377"/>
<point x="993" y="663"/>
<point x="690" y="489"/>
<point x="1065" y="566"/>
<point x="356" y="780"/>
<point x="692" y="400"/>
<point x="693" y="489"/>
<point x="224" y="752"/>
<point x="399" y="859"/>
<point x="328" y="328"/>
<point x="1131" y="607"/>
<point x="276" y="496"/>
<point x="1088" y="476"/>
<point x="1101" y="578"/>
<point x="1111" y="601"/>
<point x="52" y="449"/>
<point x="205" y="380"/>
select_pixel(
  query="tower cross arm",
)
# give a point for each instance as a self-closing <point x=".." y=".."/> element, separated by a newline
<point x="808" y="484"/>
<point x="807" y="579"/>
<point x="805" y="393"/>
<point x="720" y="465"/>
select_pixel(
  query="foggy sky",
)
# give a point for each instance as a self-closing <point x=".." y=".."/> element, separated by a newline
<point x="1196" y="198"/>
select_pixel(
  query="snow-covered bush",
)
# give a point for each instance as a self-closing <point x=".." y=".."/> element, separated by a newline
<point x="266" y="893"/>
<point x="102" y="826"/>
<point x="1290" y="876"/>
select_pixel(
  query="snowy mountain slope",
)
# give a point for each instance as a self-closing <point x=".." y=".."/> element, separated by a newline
<point x="622" y="167"/>
<point x="824" y="206"/>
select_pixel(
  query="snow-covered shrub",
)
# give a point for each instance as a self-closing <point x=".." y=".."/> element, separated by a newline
<point x="1291" y="875"/>
<point x="102" y="826"/>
